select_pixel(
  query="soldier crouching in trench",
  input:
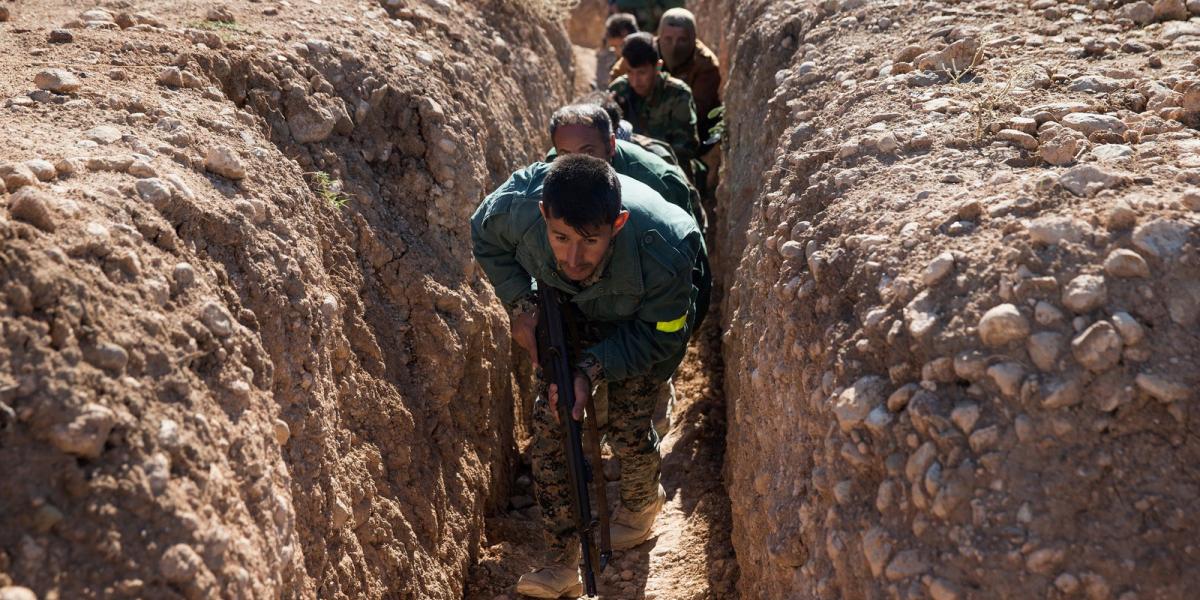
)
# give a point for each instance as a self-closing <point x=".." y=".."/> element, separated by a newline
<point x="623" y="257"/>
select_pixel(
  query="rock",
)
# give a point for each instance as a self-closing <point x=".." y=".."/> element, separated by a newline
<point x="1055" y="110"/>
<point x="1112" y="152"/>
<point x="955" y="59"/>
<point x="33" y="206"/>
<point x="1055" y="230"/>
<point x="1017" y="138"/>
<point x="116" y="164"/>
<point x="1140" y="12"/>
<point x="107" y="355"/>
<point x="1007" y="376"/>
<point x="1126" y="263"/>
<point x="1162" y="388"/>
<point x="899" y="398"/>
<point x="220" y="14"/>
<point x="1170" y="10"/>
<point x="180" y="564"/>
<point x="1131" y="331"/>
<point x="1089" y="123"/>
<point x="282" y="431"/>
<point x="1095" y="84"/>
<point x="1044" y="348"/>
<point x="225" y="162"/>
<point x="1059" y="146"/>
<point x="14" y="592"/>
<point x="171" y="76"/>
<point x="16" y="176"/>
<point x="855" y="402"/>
<point x="59" y="81"/>
<point x="938" y="268"/>
<point x="217" y="319"/>
<point x="87" y="433"/>
<point x="1085" y="293"/>
<point x="1177" y="29"/>
<point x="42" y="169"/>
<point x="887" y="144"/>
<point x="1045" y="560"/>
<point x="1098" y="348"/>
<point x="877" y="549"/>
<point x="103" y="134"/>
<point x="141" y="168"/>
<point x="1161" y="238"/>
<point x="1089" y="180"/>
<point x="906" y="564"/>
<point x="1066" y="583"/>
<point x="4" y="16"/>
<point x="792" y="249"/>
<point x="1003" y="324"/>
<point x="308" y="121"/>
<point x="1046" y="314"/>
<point x="1094" y="584"/>
<point x="96" y="16"/>
<point x="940" y="589"/>
<point x="1193" y="7"/>
<point x="60" y="36"/>
<point x="964" y="416"/>
<point x="183" y="274"/>
<point x="1061" y="393"/>
<point x="918" y="463"/>
<point x="155" y="191"/>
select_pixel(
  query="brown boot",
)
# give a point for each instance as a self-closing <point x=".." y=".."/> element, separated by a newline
<point x="553" y="581"/>
<point x="629" y="528"/>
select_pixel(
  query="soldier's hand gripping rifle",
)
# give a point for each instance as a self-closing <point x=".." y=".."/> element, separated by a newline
<point x="555" y="358"/>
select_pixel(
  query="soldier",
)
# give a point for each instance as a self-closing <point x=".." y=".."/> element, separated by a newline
<point x="648" y="12"/>
<point x="657" y="104"/>
<point x="616" y="29"/>
<point x="624" y="257"/>
<point x="688" y="60"/>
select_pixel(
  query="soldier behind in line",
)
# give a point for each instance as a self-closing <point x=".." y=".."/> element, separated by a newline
<point x="657" y="104"/>
<point x="648" y="12"/>
<point x="688" y="60"/>
<point x="625" y="259"/>
<point x="616" y="29"/>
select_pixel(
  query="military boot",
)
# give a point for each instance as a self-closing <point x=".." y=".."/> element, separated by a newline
<point x="629" y="528"/>
<point x="555" y="580"/>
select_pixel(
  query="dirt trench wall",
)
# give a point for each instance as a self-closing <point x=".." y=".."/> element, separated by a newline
<point x="963" y="326"/>
<point x="245" y="352"/>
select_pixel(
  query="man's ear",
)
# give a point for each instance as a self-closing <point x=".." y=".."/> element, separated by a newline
<point x="542" y="207"/>
<point x="612" y="145"/>
<point x="622" y="219"/>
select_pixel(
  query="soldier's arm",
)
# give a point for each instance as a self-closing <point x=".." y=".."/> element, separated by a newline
<point x="683" y="134"/>
<point x="660" y="328"/>
<point x="495" y="244"/>
<point x="678" y="191"/>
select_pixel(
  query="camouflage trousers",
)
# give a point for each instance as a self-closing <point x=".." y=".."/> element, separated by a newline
<point x="629" y="430"/>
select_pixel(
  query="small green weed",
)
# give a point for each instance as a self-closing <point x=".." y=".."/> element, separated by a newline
<point x="329" y="189"/>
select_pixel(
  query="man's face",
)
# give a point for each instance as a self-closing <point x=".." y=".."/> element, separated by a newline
<point x="583" y="139"/>
<point x="578" y="253"/>
<point x="641" y="79"/>
<point x="676" y="44"/>
<point x="615" y="43"/>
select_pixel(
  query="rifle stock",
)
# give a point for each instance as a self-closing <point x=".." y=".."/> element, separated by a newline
<point x="555" y="357"/>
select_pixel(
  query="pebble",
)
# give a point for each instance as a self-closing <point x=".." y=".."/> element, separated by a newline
<point x="14" y="592"/>
<point x="33" y="206"/>
<point x="4" y="16"/>
<point x="1007" y="377"/>
<point x="1126" y="263"/>
<point x="1067" y="583"/>
<point x="938" y="268"/>
<point x="1043" y="348"/>
<point x="1003" y="324"/>
<point x="1140" y="12"/>
<point x="1098" y="348"/>
<point x="220" y="14"/>
<point x="180" y="564"/>
<point x="16" y="176"/>
<point x="906" y="564"/>
<point x="183" y="274"/>
<point x="225" y="162"/>
<point x="155" y="191"/>
<point x="1161" y="238"/>
<point x="855" y="402"/>
<point x="965" y="415"/>
<point x="1089" y="180"/>
<point x="1131" y="331"/>
<point x="1170" y="10"/>
<point x="1085" y="293"/>
<point x="282" y="431"/>
<point x="1045" y="560"/>
<point x="1112" y="152"/>
<point x="42" y="169"/>
<point x="1018" y="138"/>
<point x="1056" y="229"/>
<point x="141" y="168"/>
<point x="171" y="76"/>
<point x="1059" y="146"/>
<point x="217" y="319"/>
<point x="103" y="134"/>
<point x="60" y="36"/>
<point x="1089" y="123"/>
<point x="59" y="81"/>
<point x="1162" y="388"/>
<point x="940" y="589"/>
<point x="86" y="434"/>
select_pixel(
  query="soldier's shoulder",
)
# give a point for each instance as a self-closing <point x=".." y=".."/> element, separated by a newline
<point x="619" y="85"/>
<point x="677" y="87"/>
<point x="705" y="58"/>
<point x="517" y="197"/>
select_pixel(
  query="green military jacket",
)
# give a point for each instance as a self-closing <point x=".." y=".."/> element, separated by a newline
<point x="634" y="161"/>
<point x="645" y="300"/>
<point x="647" y="12"/>
<point x="669" y="113"/>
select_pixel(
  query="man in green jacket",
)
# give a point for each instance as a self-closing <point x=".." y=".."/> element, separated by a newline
<point x="657" y="104"/>
<point x="648" y="12"/>
<point x="624" y="257"/>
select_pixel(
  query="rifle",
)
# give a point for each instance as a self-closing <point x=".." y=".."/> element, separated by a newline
<point x="555" y="357"/>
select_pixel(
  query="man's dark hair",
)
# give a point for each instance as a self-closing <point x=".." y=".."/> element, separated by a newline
<point x="605" y="100"/>
<point x="583" y="191"/>
<point x="639" y="50"/>
<point x="590" y="115"/>
<point x="620" y="25"/>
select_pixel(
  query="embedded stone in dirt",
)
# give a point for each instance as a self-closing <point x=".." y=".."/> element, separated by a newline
<point x="855" y="403"/>
<point x="1098" y="348"/>
<point x="1085" y="293"/>
<point x="1003" y="324"/>
<point x="1161" y="238"/>
<point x="33" y="206"/>
<point x="86" y="433"/>
<point x="1089" y="180"/>
<point x="14" y="592"/>
<point x="16" y="176"/>
<point x="1126" y="263"/>
<point x="225" y="162"/>
<point x="103" y="134"/>
<point x="1162" y="387"/>
<point x="59" y="81"/>
<point x="1089" y="123"/>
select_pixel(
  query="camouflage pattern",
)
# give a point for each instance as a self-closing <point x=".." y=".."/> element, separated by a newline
<point x="647" y="12"/>
<point x="702" y="73"/>
<point x="630" y="433"/>
<point x="668" y="114"/>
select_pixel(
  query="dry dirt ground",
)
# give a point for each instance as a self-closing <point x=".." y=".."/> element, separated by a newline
<point x="244" y="350"/>
<point x="964" y="314"/>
